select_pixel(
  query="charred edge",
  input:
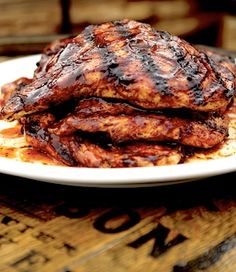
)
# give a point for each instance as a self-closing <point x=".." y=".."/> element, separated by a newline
<point x="218" y="55"/>
<point x="189" y="72"/>
<point x="212" y="124"/>
<point x="228" y="93"/>
<point x="122" y="30"/>
<point x="62" y="150"/>
<point x="88" y="34"/>
<point x="41" y="135"/>
<point x="12" y="106"/>
<point x="209" y="258"/>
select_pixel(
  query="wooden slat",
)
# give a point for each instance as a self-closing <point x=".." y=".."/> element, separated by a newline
<point x="25" y="45"/>
<point x="27" y="17"/>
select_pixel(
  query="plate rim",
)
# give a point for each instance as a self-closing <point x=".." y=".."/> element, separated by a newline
<point x="160" y="175"/>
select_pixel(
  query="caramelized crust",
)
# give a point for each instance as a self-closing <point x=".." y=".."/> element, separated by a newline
<point x="130" y="61"/>
<point x="122" y="94"/>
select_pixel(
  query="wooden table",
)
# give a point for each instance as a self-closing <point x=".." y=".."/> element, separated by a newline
<point x="188" y="227"/>
<point x="54" y="228"/>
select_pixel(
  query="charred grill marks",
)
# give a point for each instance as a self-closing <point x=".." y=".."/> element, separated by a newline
<point x="189" y="71"/>
<point x="109" y="58"/>
<point x="117" y="85"/>
<point x="126" y="60"/>
<point x="149" y="65"/>
<point x="111" y="61"/>
<point x="153" y="71"/>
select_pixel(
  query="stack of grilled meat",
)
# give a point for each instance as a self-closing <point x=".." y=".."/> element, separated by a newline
<point x="122" y="94"/>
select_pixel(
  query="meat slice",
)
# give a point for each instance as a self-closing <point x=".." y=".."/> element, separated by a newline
<point x="123" y="123"/>
<point x="130" y="61"/>
<point x="133" y="155"/>
<point x="76" y="151"/>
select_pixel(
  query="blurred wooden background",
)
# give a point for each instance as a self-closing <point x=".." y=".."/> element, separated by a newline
<point x="27" y="25"/>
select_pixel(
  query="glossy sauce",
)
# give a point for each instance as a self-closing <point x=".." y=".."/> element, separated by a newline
<point x="8" y="152"/>
<point x="33" y="155"/>
<point x="23" y="152"/>
<point x="12" y="132"/>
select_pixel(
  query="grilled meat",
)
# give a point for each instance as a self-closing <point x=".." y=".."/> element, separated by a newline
<point x="229" y="62"/>
<point x="125" y="123"/>
<point x="35" y="129"/>
<point x="130" y="61"/>
<point x="9" y="89"/>
<point x="121" y="94"/>
<point x="133" y="155"/>
<point x="47" y="55"/>
<point x="76" y="151"/>
<point x="222" y="64"/>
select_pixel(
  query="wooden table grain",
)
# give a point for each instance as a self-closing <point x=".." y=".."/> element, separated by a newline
<point x="55" y="228"/>
<point x="188" y="227"/>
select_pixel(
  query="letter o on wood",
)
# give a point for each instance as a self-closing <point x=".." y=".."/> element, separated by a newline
<point x="132" y="219"/>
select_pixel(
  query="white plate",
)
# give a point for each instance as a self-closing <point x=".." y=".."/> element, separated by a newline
<point x="125" y="177"/>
